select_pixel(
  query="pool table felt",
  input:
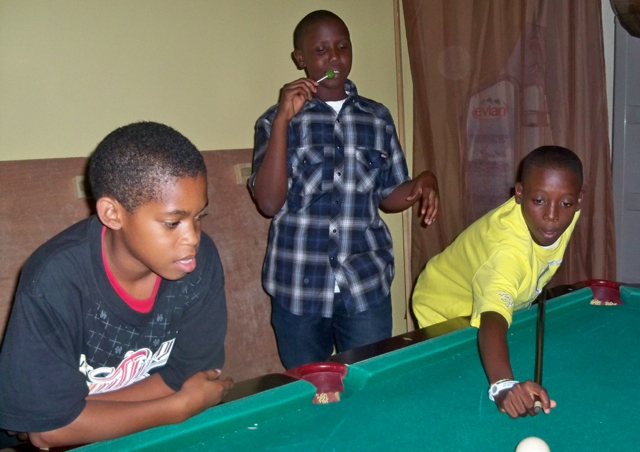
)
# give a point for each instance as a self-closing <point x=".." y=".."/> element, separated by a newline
<point x="433" y="395"/>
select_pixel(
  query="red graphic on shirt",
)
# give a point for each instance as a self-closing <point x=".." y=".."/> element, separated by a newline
<point x="135" y="366"/>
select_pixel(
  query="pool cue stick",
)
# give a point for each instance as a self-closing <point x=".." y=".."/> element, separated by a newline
<point x="406" y="214"/>
<point x="537" y="407"/>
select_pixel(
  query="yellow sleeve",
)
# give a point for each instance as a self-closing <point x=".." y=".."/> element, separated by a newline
<point x="497" y="284"/>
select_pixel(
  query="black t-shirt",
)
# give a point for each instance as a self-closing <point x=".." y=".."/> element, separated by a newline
<point x="70" y="332"/>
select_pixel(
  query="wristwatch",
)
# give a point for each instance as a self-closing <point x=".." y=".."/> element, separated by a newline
<point x="500" y="386"/>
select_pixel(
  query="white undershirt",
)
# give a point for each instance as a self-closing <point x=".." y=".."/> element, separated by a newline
<point x="553" y="245"/>
<point x="336" y="104"/>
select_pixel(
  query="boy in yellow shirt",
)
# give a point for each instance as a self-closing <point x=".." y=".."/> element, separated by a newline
<point x="501" y="263"/>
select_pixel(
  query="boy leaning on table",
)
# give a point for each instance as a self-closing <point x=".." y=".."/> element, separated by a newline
<point x="501" y="263"/>
<point x="118" y="323"/>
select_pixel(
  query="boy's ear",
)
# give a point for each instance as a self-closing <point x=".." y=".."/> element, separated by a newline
<point x="298" y="58"/>
<point x="110" y="212"/>
<point x="580" y="196"/>
<point x="518" y="194"/>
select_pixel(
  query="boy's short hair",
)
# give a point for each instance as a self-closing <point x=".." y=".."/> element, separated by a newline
<point x="133" y="163"/>
<point x="311" y="19"/>
<point x="556" y="157"/>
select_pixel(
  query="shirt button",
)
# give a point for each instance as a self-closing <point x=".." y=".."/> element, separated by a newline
<point x="306" y="280"/>
<point x="333" y="258"/>
<point x="339" y="173"/>
<point x="335" y="202"/>
<point x="334" y="231"/>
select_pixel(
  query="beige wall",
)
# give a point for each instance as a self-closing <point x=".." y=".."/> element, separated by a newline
<point x="71" y="71"/>
<point x="74" y="70"/>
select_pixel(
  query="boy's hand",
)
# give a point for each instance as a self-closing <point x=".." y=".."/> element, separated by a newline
<point x="426" y="186"/>
<point x="204" y="390"/>
<point x="294" y="95"/>
<point x="520" y="399"/>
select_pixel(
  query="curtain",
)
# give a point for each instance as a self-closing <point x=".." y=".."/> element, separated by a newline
<point x="492" y="81"/>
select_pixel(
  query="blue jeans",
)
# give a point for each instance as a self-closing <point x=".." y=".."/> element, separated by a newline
<point x="306" y="339"/>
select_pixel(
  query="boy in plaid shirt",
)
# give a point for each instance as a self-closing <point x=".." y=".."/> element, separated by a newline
<point x="325" y="160"/>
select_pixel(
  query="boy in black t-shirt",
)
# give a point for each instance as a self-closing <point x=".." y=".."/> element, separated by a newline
<point x="118" y="323"/>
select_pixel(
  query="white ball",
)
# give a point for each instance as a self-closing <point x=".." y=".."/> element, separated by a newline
<point x="532" y="444"/>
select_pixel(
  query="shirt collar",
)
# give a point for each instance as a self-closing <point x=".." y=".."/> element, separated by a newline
<point x="349" y="88"/>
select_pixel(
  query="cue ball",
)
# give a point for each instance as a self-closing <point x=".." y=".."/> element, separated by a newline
<point x="532" y="444"/>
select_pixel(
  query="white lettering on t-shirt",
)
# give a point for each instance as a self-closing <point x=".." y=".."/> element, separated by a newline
<point x="135" y="366"/>
<point x="506" y="298"/>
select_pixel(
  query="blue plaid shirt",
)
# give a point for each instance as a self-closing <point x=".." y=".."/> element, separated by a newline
<point x="340" y="166"/>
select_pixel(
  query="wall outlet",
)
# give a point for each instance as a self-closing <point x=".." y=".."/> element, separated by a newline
<point x="79" y="187"/>
<point x="243" y="172"/>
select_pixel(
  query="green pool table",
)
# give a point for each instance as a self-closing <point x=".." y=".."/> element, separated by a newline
<point x="432" y="395"/>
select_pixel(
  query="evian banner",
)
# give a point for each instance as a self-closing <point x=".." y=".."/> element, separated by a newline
<point x="491" y="122"/>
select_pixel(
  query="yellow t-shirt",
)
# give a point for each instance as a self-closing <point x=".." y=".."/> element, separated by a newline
<point x="494" y="265"/>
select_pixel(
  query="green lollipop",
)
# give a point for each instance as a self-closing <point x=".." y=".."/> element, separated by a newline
<point x="328" y="75"/>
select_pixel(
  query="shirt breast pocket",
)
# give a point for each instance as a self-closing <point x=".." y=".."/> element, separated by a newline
<point x="306" y="174"/>
<point x="370" y="164"/>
